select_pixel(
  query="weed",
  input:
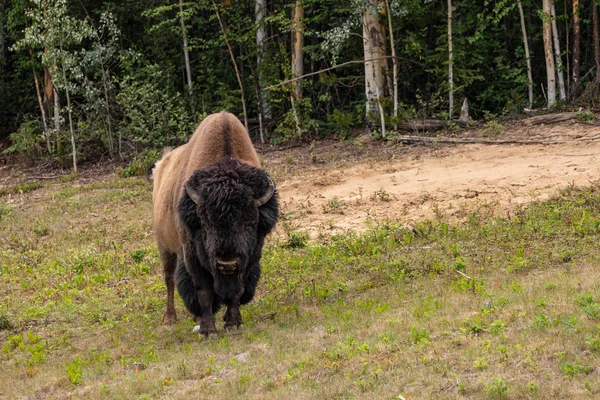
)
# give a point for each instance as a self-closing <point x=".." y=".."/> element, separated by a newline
<point x="381" y="195"/>
<point x="75" y="371"/>
<point x="297" y="239"/>
<point x="574" y="368"/>
<point x="419" y="336"/>
<point x="481" y="363"/>
<point x="335" y="205"/>
<point x="585" y="115"/>
<point x="497" y="327"/>
<point x="5" y="323"/>
<point x="492" y="129"/>
<point x="498" y="387"/>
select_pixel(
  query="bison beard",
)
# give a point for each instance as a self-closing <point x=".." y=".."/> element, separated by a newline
<point x="222" y="223"/>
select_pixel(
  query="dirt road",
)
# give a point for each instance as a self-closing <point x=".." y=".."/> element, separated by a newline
<point x="330" y="190"/>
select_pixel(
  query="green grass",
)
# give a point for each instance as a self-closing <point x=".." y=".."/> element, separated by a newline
<point x="485" y="308"/>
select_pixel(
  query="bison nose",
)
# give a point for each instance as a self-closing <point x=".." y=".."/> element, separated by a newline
<point x="227" y="267"/>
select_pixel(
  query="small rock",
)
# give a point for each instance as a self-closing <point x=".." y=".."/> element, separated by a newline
<point x="136" y="366"/>
<point x="242" y="357"/>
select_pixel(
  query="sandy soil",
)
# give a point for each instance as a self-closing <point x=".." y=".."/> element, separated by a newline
<point x="405" y="184"/>
<point x="331" y="187"/>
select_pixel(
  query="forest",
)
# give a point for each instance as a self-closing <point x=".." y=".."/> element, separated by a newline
<point x="88" y="80"/>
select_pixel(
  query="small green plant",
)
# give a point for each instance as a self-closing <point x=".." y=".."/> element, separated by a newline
<point x="419" y="336"/>
<point x="296" y="239"/>
<point x="139" y="165"/>
<point x="5" y="323"/>
<point x="572" y="369"/>
<point x="497" y="387"/>
<point x="335" y="205"/>
<point x="496" y="327"/>
<point x="75" y="371"/>
<point x="585" y="115"/>
<point x="492" y="129"/>
<point x="381" y="195"/>
<point x="27" y="187"/>
<point x="341" y="123"/>
<point x="481" y="363"/>
<point x="594" y="344"/>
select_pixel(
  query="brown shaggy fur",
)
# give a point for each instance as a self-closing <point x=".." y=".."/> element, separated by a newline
<point x="218" y="135"/>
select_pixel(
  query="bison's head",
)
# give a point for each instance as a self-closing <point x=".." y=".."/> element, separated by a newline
<point x="227" y="209"/>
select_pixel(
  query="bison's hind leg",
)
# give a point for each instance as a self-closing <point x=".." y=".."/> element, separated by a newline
<point x="186" y="289"/>
<point x="169" y="262"/>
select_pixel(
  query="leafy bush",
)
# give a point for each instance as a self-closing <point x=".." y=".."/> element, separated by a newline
<point x="27" y="140"/>
<point x="341" y="123"/>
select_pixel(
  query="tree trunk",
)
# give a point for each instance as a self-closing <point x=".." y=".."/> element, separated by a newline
<point x="527" y="58"/>
<point x="42" y="110"/>
<point x="186" y="54"/>
<point x="70" y="114"/>
<point x="550" y="73"/>
<point x="373" y="40"/>
<point x="2" y="58"/>
<point x="235" y="66"/>
<point x="394" y="59"/>
<point x="298" y="48"/>
<point x="576" y="49"/>
<point x="596" y="38"/>
<point x="450" y="63"/>
<point x="261" y="33"/>
<point x="562" y="94"/>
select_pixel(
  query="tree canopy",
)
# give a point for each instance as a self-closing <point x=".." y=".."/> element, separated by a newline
<point x="109" y="77"/>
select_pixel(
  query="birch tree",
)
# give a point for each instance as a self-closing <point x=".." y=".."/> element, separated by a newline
<point x="527" y="57"/>
<point x="297" y="49"/>
<point x="450" y="63"/>
<point x="596" y="38"/>
<point x="394" y="59"/>
<point x="373" y="42"/>
<point x="261" y="34"/>
<point x="576" y="47"/>
<point x="559" y="70"/>
<point x="186" y="53"/>
<point x="547" y="35"/>
<point x="54" y="31"/>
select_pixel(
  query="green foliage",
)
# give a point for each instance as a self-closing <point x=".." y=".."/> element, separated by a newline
<point x="139" y="165"/>
<point x="75" y="371"/>
<point x="341" y="123"/>
<point x="5" y="323"/>
<point x="155" y="118"/>
<point x="121" y="99"/>
<point x="28" y="139"/>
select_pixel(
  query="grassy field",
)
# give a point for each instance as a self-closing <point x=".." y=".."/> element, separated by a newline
<point x="485" y="308"/>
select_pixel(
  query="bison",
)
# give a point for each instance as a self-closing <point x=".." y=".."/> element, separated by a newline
<point x="213" y="207"/>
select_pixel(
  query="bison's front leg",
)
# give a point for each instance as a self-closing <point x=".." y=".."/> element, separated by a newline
<point x="233" y="316"/>
<point x="207" y="319"/>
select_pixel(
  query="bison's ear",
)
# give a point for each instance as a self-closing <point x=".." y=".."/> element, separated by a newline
<point x="267" y="196"/>
<point x="192" y="192"/>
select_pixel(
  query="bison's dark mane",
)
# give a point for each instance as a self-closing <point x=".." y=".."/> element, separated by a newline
<point x="226" y="190"/>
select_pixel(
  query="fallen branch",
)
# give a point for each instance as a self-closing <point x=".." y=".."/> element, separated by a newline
<point x="421" y="124"/>
<point x="408" y="139"/>
<point x="46" y="177"/>
<point x="550" y="118"/>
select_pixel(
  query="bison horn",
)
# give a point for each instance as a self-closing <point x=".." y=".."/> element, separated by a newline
<point x="192" y="193"/>
<point x="267" y="196"/>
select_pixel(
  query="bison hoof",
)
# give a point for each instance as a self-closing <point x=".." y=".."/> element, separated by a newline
<point x="230" y="327"/>
<point x="205" y="332"/>
<point x="233" y="323"/>
<point x="169" y="318"/>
